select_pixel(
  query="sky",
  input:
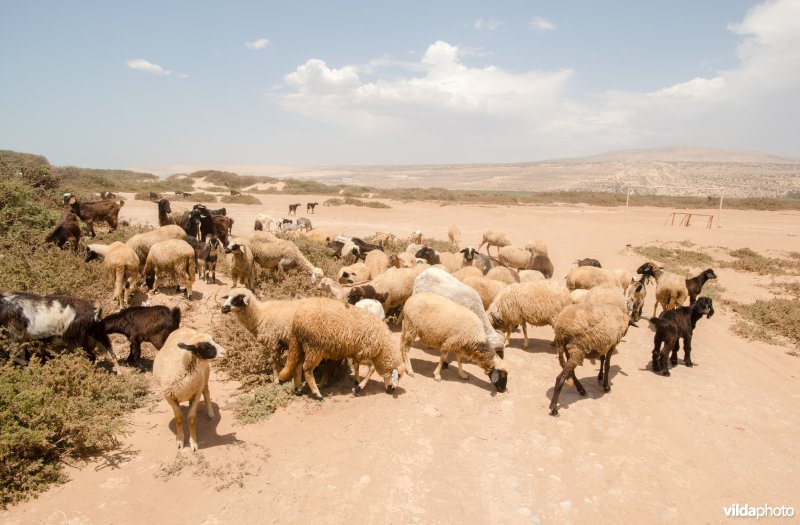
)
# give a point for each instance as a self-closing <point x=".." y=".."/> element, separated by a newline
<point x="153" y="85"/>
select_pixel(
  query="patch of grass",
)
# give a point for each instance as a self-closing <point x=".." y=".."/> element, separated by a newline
<point x="675" y="257"/>
<point x="38" y="434"/>
<point x="200" y="196"/>
<point x="262" y="402"/>
<point x="748" y="260"/>
<point x="335" y="201"/>
<point x="24" y="212"/>
<point x="240" y="199"/>
<point x="145" y="196"/>
<point x="770" y="319"/>
<point x="367" y="204"/>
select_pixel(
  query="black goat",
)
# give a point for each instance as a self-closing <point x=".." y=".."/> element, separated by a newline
<point x="221" y="211"/>
<point x="67" y="228"/>
<point x="310" y="207"/>
<point x="293" y="208"/>
<point x="695" y="284"/>
<point x="588" y="262"/>
<point x="677" y="324"/>
<point x="140" y="324"/>
<point x="205" y="219"/>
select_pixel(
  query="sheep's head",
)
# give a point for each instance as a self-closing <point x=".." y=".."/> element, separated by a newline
<point x="89" y="255"/>
<point x="356" y="294"/>
<point x="236" y="300"/>
<point x="428" y="255"/>
<point x="499" y="375"/>
<point x="391" y="380"/>
<point x="705" y="306"/>
<point x="65" y="198"/>
<point x="650" y="269"/>
<point x="234" y="247"/>
<point x="469" y="254"/>
<point x="204" y="349"/>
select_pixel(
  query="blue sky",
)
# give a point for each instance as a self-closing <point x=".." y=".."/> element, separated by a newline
<point x="157" y="85"/>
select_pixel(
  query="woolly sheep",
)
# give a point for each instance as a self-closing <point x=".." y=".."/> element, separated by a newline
<point x="383" y="238"/>
<point x="467" y="271"/>
<point x="142" y="242"/>
<point x="377" y="262"/>
<point x="326" y="329"/>
<point x="587" y="277"/>
<point x="450" y="327"/>
<point x="625" y="277"/>
<point x="494" y="238"/>
<point x="536" y="247"/>
<point x="414" y="247"/>
<point x="240" y="261"/>
<point x="503" y="274"/>
<point x="514" y="257"/>
<point x="181" y="369"/>
<point x="637" y="293"/>
<point x="320" y="235"/>
<point x="123" y="268"/>
<point x="536" y="303"/>
<point x="273" y="253"/>
<point x="269" y="321"/>
<point x="583" y="330"/>
<point x="372" y="306"/>
<point x="487" y="288"/>
<point x="454" y="234"/>
<point x="527" y="276"/>
<point x="395" y="286"/>
<point x="402" y="260"/>
<point x="671" y="291"/>
<point x="353" y="274"/>
<point x="175" y="257"/>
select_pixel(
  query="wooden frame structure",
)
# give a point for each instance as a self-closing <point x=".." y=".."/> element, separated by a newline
<point x="686" y="218"/>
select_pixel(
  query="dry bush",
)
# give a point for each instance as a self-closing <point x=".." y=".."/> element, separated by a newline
<point x="675" y="257"/>
<point x="200" y="196"/>
<point x="333" y="202"/>
<point x="240" y="199"/>
<point x="367" y="204"/>
<point x="769" y="319"/>
<point x="748" y="260"/>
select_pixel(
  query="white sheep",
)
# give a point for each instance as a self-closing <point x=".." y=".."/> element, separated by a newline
<point x="181" y="369"/>
<point x="671" y="291"/>
<point x="377" y="262"/>
<point x="450" y="327"/>
<point x="464" y="273"/>
<point x="503" y="274"/>
<point x="327" y="329"/>
<point x="536" y="303"/>
<point x="494" y="238"/>
<point x="536" y="247"/>
<point x="402" y="260"/>
<point x="527" y="276"/>
<point x="352" y="274"/>
<point x="174" y="257"/>
<point x="514" y="257"/>
<point x="487" y="288"/>
<point x="241" y="263"/>
<point x="142" y="242"/>
<point x="272" y="253"/>
<point x="123" y="267"/>
<point x="454" y="234"/>
<point x="625" y="277"/>
<point x="587" y="277"/>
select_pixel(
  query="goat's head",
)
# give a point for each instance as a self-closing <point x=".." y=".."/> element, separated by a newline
<point x="163" y="205"/>
<point x="705" y="306"/>
<point x="709" y="273"/>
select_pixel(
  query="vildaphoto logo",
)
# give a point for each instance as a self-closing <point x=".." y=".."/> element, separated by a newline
<point x="762" y="511"/>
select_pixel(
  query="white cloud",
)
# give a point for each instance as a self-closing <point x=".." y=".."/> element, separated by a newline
<point x="442" y="107"/>
<point x="542" y="24"/>
<point x="261" y="43"/>
<point x="141" y="64"/>
<point x="489" y="24"/>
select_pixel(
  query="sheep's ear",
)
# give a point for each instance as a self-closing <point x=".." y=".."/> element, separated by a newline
<point x="203" y="350"/>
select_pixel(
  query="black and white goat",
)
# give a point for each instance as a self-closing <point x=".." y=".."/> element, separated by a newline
<point x="76" y="322"/>
<point x="676" y="324"/>
<point x="151" y="324"/>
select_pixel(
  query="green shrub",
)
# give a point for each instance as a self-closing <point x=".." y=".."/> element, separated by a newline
<point x="33" y="170"/>
<point x="240" y="199"/>
<point x="23" y="211"/>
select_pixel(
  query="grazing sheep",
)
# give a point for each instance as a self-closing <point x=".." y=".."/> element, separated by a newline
<point x="588" y="262"/>
<point x="383" y="238"/>
<point x="293" y="208"/>
<point x="77" y="322"/>
<point x="377" y="262"/>
<point x="310" y="207"/>
<point x="503" y="274"/>
<point x="304" y="224"/>
<point x="123" y="268"/>
<point x="181" y="370"/>
<point x="241" y="263"/>
<point x="528" y="276"/>
<point x="450" y="327"/>
<point x="174" y="257"/>
<point x="91" y="212"/>
<point x="326" y="329"/>
<point x="67" y="228"/>
<point x="341" y="293"/>
<point x="541" y="263"/>
<point x="494" y="238"/>
<point x="536" y="303"/>
<point x="269" y="321"/>
<point x="317" y="235"/>
<point x="391" y="288"/>
<point x="536" y="247"/>
<point x="353" y="274"/>
<point x="586" y="277"/>
<point x="454" y="234"/>
<point x="671" y="291"/>
<point x="514" y="257"/>
<point x="625" y="277"/>
<point x="695" y="284"/>
<point x="462" y="274"/>
<point x="142" y="242"/>
<point x="637" y="293"/>
<point x="674" y="325"/>
<point x="402" y="260"/>
<point x="487" y="288"/>
<point x="440" y="282"/>
<point x="585" y="330"/>
<point x="140" y="324"/>
<point x="279" y="255"/>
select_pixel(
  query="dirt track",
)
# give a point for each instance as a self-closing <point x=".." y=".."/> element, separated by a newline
<point x="674" y="450"/>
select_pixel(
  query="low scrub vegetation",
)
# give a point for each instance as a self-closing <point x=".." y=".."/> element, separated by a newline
<point x="335" y="201"/>
<point x="200" y="196"/>
<point x="774" y="320"/>
<point x="367" y="204"/>
<point x="747" y="260"/>
<point x="240" y="199"/>
<point x="675" y="257"/>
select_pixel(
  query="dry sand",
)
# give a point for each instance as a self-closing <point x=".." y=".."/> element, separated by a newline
<point x="672" y="450"/>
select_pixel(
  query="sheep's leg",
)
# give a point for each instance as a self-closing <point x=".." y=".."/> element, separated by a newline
<point x="687" y="350"/>
<point x="655" y="307"/>
<point x="355" y="369"/>
<point x="568" y="371"/>
<point x="407" y="337"/>
<point x="309" y="365"/>
<point x="363" y="384"/>
<point x="461" y="373"/>
<point x="524" y="335"/>
<point x="607" y="362"/>
<point x="294" y="358"/>
<point x="176" y="409"/>
<point x="193" y="422"/>
<point x="207" y="399"/>
<point x="602" y="372"/>
<point x="437" y="373"/>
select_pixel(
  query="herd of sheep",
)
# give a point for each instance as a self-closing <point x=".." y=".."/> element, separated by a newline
<point x="463" y="303"/>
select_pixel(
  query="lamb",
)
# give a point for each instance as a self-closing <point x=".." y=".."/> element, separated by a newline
<point x="280" y="255"/>
<point x="181" y="370"/>
<point x="671" y="291"/>
<point x="304" y="224"/>
<point x="494" y="238"/>
<point x="377" y="262"/>
<point x="142" y="242"/>
<point x="241" y="263"/>
<point x="450" y="327"/>
<point x="354" y="274"/>
<point x="673" y="325"/>
<point x="67" y="228"/>
<point x="588" y="262"/>
<point x="462" y="274"/>
<point x="77" y="322"/>
<point x="454" y="234"/>
<point x="514" y="257"/>
<point x="487" y="288"/>
<point x="172" y="256"/>
<point x="310" y="207"/>
<point x="586" y="329"/>
<point x="695" y="285"/>
<point x="587" y="277"/>
<point x="269" y="321"/>
<point x="123" y="267"/>
<point x="326" y="329"/>
<point x="440" y="282"/>
<point x="541" y="263"/>
<point x="151" y="324"/>
<point x="503" y="274"/>
<point x="536" y="303"/>
<point x="391" y="288"/>
<point x="637" y="293"/>
<point x="91" y="212"/>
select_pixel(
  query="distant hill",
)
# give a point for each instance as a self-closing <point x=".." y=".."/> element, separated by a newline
<point x="683" y="154"/>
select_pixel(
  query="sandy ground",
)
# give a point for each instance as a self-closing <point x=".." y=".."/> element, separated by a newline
<point x="672" y="450"/>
